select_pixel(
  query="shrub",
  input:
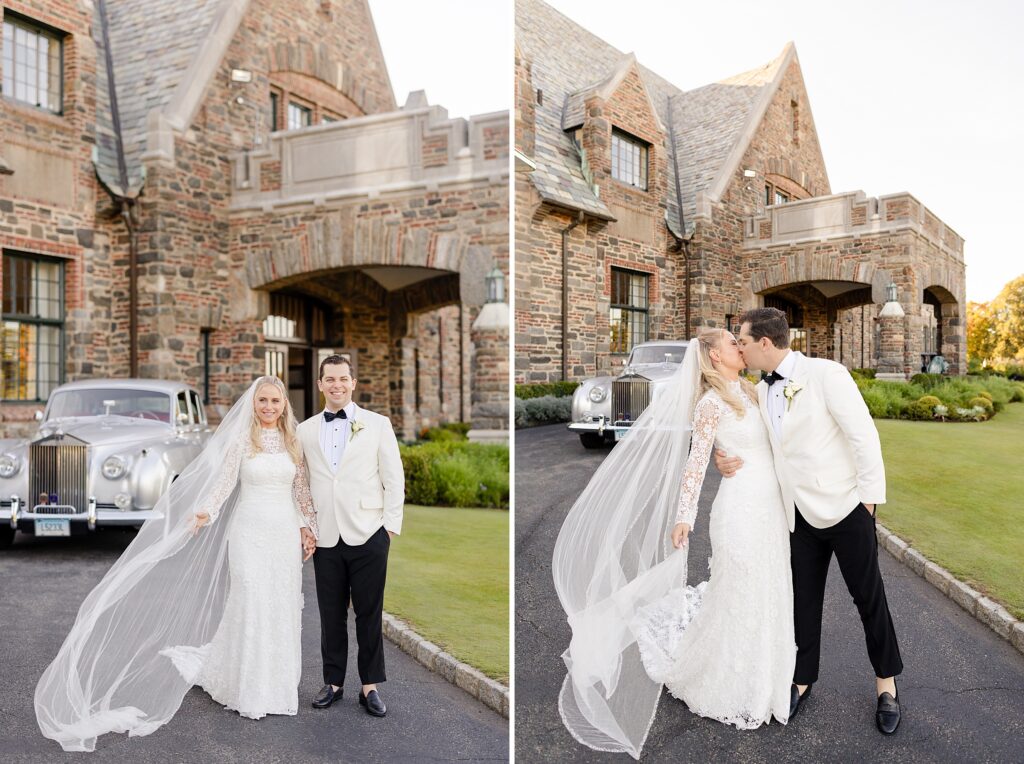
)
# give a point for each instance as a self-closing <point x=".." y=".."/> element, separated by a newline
<point x="927" y="381"/>
<point x="982" y="403"/>
<point x="1017" y="396"/>
<point x="520" y="417"/>
<point x="920" y="410"/>
<point x="548" y="409"/>
<point x="456" y="474"/>
<point x="985" y="394"/>
<point x="929" y="400"/>
<point x="866" y="373"/>
<point x="452" y="431"/>
<point x="542" y="389"/>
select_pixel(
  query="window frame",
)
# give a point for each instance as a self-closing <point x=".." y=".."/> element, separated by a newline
<point x="306" y="107"/>
<point x="276" y="99"/>
<point x="56" y="36"/>
<point x="642" y="161"/>
<point x="625" y="309"/>
<point x="38" y="321"/>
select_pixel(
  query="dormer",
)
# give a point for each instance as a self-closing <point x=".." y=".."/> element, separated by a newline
<point x="621" y="139"/>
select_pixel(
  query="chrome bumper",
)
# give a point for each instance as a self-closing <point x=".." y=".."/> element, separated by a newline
<point x="600" y="425"/>
<point x="14" y="511"/>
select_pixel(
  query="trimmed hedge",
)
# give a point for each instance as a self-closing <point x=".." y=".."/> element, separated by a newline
<point x="456" y="474"/>
<point x="548" y="409"/>
<point x="543" y="389"/>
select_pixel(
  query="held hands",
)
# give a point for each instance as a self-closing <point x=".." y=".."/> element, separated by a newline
<point x="308" y="543"/>
<point x="727" y="465"/>
<point x="680" y="533"/>
<point x="199" y="519"/>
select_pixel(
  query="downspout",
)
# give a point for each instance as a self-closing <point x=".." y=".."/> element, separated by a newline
<point x="565" y="294"/>
<point x="682" y="243"/>
<point x="129" y="211"/>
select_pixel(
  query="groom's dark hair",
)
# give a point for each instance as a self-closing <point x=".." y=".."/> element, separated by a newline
<point x="335" y="360"/>
<point x="770" y="323"/>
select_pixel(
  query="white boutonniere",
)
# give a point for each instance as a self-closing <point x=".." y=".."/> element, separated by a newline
<point x="790" y="391"/>
<point x="356" y="427"/>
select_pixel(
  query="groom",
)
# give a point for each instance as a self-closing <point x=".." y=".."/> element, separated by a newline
<point x="829" y="463"/>
<point x="358" y="488"/>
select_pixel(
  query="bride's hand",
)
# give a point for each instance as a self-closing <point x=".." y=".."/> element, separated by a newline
<point x="680" y="534"/>
<point x="198" y="521"/>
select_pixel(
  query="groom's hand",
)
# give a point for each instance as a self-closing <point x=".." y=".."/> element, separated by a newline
<point x="727" y="465"/>
<point x="308" y="544"/>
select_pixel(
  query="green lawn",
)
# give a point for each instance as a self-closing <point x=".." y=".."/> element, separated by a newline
<point x="955" y="493"/>
<point x="448" y="577"/>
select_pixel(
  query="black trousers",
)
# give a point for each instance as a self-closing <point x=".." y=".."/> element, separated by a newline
<point x="855" y="545"/>
<point x="344" y="571"/>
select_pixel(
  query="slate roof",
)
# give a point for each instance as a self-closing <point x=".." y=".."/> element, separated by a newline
<point x="153" y="42"/>
<point x="568" y="63"/>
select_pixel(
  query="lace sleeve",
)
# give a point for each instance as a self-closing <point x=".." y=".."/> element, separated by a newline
<point x="225" y="482"/>
<point x="705" y="425"/>
<point x="304" y="498"/>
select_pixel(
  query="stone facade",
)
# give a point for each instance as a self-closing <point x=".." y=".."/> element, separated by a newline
<point x="716" y="158"/>
<point x="370" y="234"/>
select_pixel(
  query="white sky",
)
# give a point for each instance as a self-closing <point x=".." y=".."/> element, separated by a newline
<point x="459" y="51"/>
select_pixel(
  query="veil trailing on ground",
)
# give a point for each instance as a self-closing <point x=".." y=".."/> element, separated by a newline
<point x="613" y="556"/>
<point x="167" y="589"/>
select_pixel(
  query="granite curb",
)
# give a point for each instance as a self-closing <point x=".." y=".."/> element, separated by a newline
<point x="990" y="613"/>
<point x="492" y="694"/>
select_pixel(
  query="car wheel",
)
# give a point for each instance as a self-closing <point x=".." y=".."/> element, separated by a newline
<point x="6" y="536"/>
<point x="591" y="440"/>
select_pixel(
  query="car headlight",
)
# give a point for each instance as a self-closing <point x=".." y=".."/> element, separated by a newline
<point x="9" y="465"/>
<point x="115" y="467"/>
<point x="597" y="394"/>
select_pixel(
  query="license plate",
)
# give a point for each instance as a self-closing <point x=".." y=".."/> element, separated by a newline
<point x="620" y="434"/>
<point x="53" y="526"/>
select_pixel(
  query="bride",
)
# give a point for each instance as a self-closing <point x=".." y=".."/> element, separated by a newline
<point x="218" y="607"/>
<point x="726" y="646"/>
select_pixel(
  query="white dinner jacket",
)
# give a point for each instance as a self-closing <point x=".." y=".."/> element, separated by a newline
<point x="828" y="457"/>
<point x="367" y="491"/>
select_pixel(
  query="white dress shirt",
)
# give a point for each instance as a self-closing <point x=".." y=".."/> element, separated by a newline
<point x="776" y="398"/>
<point x="334" y="436"/>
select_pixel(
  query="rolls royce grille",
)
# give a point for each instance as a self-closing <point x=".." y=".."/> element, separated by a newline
<point x="59" y="470"/>
<point x="630" y="397"/>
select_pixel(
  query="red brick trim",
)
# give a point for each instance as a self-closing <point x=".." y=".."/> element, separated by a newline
<point x="40" y="247"/>
<point x="653" y="271"/>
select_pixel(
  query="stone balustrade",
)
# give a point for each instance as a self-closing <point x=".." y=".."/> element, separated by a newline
<point x="417" y="147"/>
<point x="848" y="214"/>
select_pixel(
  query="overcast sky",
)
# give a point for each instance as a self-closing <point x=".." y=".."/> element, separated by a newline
<point x="459" y="51"/>
<point x="924" y="96"/>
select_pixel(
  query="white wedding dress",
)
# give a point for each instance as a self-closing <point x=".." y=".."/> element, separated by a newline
<point x="253" y="663"/>
<point x="726" y="647"/>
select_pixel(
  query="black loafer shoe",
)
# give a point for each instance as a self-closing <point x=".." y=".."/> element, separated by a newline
<point x="888" y="715"/>
<point x="327" y="696"/>
<point x="795" y="698"/>
<point x="372" y="703"/>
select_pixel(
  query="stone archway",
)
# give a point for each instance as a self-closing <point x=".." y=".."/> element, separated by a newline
<point x="942" y="329"/>
<point x="827" y="301"/>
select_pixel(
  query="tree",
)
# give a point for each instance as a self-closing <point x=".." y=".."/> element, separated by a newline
<point x="995" y="330"/>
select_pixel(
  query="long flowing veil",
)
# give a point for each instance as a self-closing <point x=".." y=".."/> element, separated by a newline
<point x="612" y="557"/>
<point x="167" y="589"/>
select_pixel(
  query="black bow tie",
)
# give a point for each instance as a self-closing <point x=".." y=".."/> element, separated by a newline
<point x="772" y="378"/>
<point x="329" y="417"/>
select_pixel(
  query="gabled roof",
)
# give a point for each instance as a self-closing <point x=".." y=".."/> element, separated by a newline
<point x="712" y="124"/>
<point x="165" y="54"/>
<point x="154" y="42"/>
<point x="575" y="103"/>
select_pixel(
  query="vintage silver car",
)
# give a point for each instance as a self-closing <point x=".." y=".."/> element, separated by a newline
<point x="604" y="408"/>
<point x="105" y="451"/>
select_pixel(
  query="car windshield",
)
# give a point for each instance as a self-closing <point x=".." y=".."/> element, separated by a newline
<point x="144" y="404"/>
<point x="657" y="354"/>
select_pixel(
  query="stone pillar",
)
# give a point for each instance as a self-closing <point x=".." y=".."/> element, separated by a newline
<point x="954" y="341"/>
<point x="403" y="390"/>
<point x="490" y="373"/>
<point x="891" y="362"/>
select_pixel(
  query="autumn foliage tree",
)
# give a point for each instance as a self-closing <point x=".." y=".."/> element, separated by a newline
<point x="995" y="330"/>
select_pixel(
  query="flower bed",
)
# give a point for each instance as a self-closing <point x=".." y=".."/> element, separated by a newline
<point x="933" y="396"/>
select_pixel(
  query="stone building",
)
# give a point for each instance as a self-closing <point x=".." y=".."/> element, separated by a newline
<point x="644" y="211"/>
<point x="210" y="190"/>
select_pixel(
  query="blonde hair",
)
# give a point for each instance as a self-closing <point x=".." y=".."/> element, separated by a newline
<point x="285" y="423"/>
<point x="709" y="339"/>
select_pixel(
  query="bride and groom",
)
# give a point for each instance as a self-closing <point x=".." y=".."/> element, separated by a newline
<point x="803" y="473"/>
<point x="209" y="594"/>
